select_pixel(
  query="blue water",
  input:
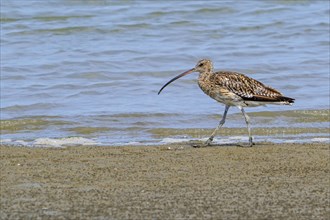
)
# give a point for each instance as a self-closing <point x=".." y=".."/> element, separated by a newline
<point x="100" y="64"/>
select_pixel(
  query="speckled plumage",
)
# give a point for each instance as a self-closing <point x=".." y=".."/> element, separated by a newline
<point x="236" y="89"/>
<point x="233" y="89"/>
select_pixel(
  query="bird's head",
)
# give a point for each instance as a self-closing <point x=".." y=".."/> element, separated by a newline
<point x="202" y="66"/>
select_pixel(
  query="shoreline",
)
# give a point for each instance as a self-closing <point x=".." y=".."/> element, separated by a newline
<point x="174" y="181"/>
<point x="295" y="126"/>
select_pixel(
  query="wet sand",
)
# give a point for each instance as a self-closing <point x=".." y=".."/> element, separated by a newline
<point x="268" y="181"/>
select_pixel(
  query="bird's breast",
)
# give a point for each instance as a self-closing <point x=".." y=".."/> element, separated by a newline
<point x="211" y="88"/>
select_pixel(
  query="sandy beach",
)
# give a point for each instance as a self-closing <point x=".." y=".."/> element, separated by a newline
<point x="267" y="181"/>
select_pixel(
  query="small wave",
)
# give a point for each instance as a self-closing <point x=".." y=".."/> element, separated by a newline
<point x="181" y="23"/>
<point x="313" y="115"/>
<point x="89" y="130"/>
<point x="157" y="14"/>
<point x="52" y="142"/>
<point x="325" y="140"/>
<point x="261" y="26"/>
<point x="142" y="115"/>
<point x="216" y="10"/>
<point x="85" y="93"/>
<point x="268" y="11"/>
<point x="134" y="26"/>
<point x="7" y="19"/>
<point x="174" y="140"/>
<point x="29" y="107"/>
<point x="60" y="18"/>
<point x="89" y="75"/>
<point x="63" y="142"/>
<point x="31" y="123"/>
<point x="55" y="31"/>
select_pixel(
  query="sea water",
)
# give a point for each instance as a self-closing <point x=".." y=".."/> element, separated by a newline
<point x="88" y="72"/>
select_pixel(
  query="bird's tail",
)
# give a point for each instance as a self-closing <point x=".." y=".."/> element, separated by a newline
<point x="278" y="100"/>
<point x="285" y="100"/>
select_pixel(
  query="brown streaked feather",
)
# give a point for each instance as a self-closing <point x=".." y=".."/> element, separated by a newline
<point x="247" y="88"/>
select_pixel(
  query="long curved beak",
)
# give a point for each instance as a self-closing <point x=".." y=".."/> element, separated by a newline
<point x="177" y="77"/>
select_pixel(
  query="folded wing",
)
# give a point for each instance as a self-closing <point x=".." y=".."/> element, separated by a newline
<point x="249" y="89"/>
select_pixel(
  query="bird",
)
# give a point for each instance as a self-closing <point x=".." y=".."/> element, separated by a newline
<point x="233" y="89"/>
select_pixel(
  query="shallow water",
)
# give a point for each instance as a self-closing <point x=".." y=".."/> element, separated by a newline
<point x="91" y="70"/>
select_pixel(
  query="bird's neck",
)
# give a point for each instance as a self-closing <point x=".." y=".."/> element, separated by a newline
<point x="205" y="74"/>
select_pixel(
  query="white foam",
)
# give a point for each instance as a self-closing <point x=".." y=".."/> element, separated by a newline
<point x="80" y="141"/>
<point x="134" y="143"/>
<point x="216" y="140"/>
<point x="174" y="140"/>
<point x="5" y="141"/>
<point x="289" y="141"/>
<point x="320" y="139"/>
<point x="63" y="142"/>
<point x="238" y="138"/>
<point x="14" y="142"/>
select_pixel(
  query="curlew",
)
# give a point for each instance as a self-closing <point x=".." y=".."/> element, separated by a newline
<point x="233" y="89"/>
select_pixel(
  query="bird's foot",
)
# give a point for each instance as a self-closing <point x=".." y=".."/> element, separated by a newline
<point x="251" y="143"/>
<point x="206" y="144"/>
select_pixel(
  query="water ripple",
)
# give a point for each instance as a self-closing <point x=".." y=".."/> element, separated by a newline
<point x="99" y="65"/>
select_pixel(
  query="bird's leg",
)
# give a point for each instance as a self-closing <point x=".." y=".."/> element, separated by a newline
<point x="222" y="121"/>
<point x="247" y="120"/>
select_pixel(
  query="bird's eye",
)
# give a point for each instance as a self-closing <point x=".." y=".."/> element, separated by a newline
<point x="201" y="64"/>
